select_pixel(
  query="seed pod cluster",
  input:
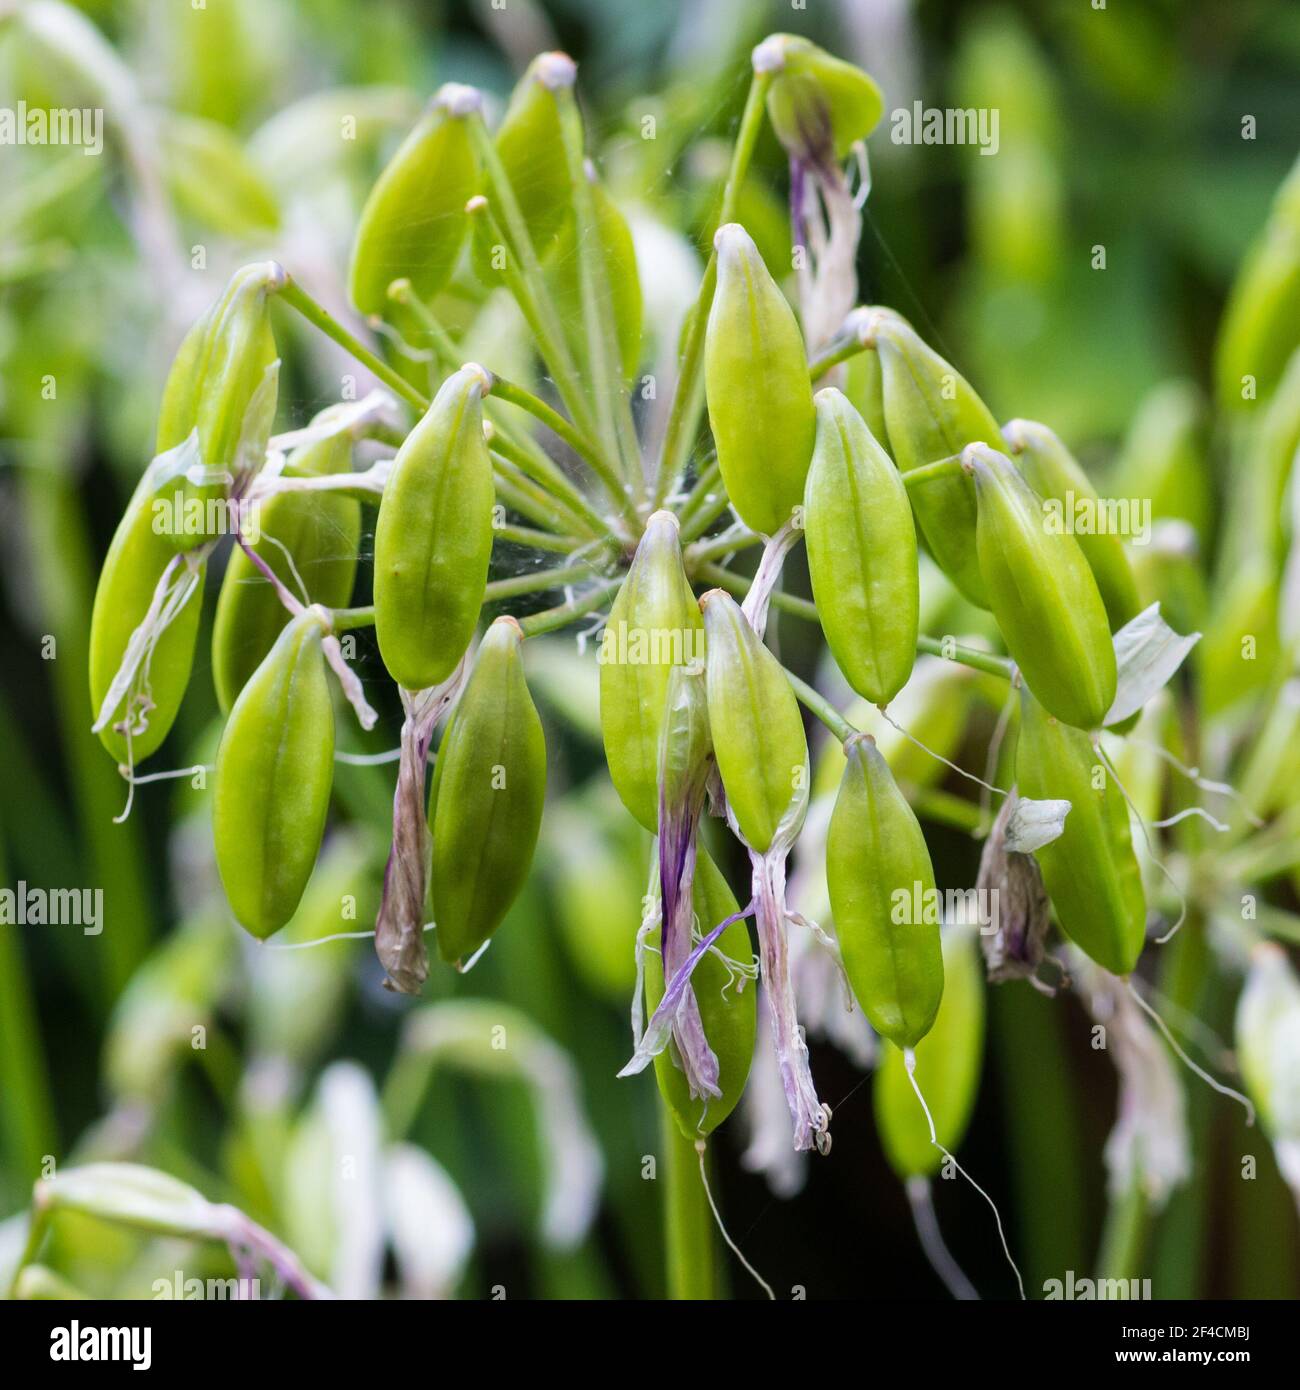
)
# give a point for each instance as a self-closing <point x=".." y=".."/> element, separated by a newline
<point x="433" y="538"/>
<point x="757" y="388"/>
<point x="1043" y="595"/>
<point x="878" y="873"/>
<point x="275" y="768"/>
<point x="485" y="808"/>
<point x="861" y="552"/>
<point x="1091" y="871"/>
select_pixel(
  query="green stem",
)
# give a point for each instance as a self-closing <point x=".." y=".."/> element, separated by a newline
<point x="536" y="581"/>
<point x="945" y="808"/>
<point x="697" y="500"/>
<point x="1124" y="1236"/>
<point x="348" y="619"/>
<point x="688" y="1222"/>
<point x="930" y="472"/>
<point x="718" y="546"/>
<point x="537" y="540"/>
<point x="294" y="295"/>
<point x="739" y="585"/>
<point x="832" y="356"/>
<point x="553" y="476"/>
<point x="518" y="489"/>
<point x="688" y="395"/>
<point x="966" y="656"/>
<point x="613" y="409"/>
<point x="552" y="618"/>
<point x="527" y="277"/>
<point x="451" y="356"/>
<point x="821" y="707"/>
<point x="517" y="395"/>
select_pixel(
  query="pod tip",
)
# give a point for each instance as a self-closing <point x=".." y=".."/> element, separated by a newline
<point x="458" y="99"/>
<point x="478" y="203"/>
<point x="978" y="458"/>
<point x="731" y="236"/>
<point x="663" y="515"/>
<point x="513" y="622"/>
<point x="485" y="377"/>
<point x="555" y="70"/>
<point x="769" y="56"/>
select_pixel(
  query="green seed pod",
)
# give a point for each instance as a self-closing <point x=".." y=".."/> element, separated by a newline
<point x="758" y="735"/>
<point x="615" y="238"/>
<point x="1054" y="474"/>
<point x="883" y="899"/>
<point x="414" y="224"/>
<point x="1091" y="871"/>
<point x="309" y="536"/>
<point x="486" y="805"/>
<point x="948" y="1063"/>
<point x="932" y="413"/>
<point x="654" y="625"/>
<point x="132" y="568"/>
<point x="1043" y="595"/>
<point x="864" y="385"/>
<point x="819" y="106"/>
<point x="222" y="383"/>
<point x="756" y="382"/>
<point x="275" y="767"/>
<point x="726" y="1011"/>
<point x="433" y="539"/>
<point x="861" y="552"/>
<point x="1261" y="323"/>
<point x="530" y="144"/>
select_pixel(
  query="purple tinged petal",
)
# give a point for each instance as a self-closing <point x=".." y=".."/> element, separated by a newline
<point x="655" y="1037"/>
<point x="811" y="1118"/>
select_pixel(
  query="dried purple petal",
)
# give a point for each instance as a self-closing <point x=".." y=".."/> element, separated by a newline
<point x="1013" y="949"/>
<point x="811" y="1117"/>
<point x="399" y="929"/>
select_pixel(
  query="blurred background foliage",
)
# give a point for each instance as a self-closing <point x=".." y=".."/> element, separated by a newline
<point x="1120" y="132"/>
